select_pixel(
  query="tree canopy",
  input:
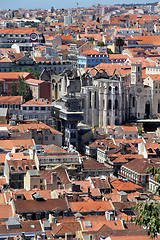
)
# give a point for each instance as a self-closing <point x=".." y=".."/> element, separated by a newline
<point x="22" y="89"/>
<point x="119" y="42"/>
<point x="149" y="212"/>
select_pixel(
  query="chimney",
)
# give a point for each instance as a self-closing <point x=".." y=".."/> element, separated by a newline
<point x="89" y="192"/>
<point x="54" y="179"/>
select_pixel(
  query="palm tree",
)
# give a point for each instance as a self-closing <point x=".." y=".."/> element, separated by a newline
<point x="119" y="43"/>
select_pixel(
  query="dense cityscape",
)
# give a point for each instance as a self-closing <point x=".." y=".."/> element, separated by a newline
<point x="80" y="123"/>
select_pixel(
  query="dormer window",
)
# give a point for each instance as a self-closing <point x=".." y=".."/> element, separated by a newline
<point x="20" y="168"/>
<point x="12" y="168"/>
<point x="27" y="168"/>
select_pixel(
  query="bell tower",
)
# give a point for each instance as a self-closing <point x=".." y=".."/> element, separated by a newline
<point x="136" y="72"/>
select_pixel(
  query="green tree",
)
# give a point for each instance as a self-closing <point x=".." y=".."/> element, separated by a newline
<point x="24" y="89"/>
<point x="28" y="93"/>
<point x="119" y="43"/>
<point x="36" y="74"/>
<point x="101" y="44"/>
<point x="149" y="212"/>
<point x="109" y="51"/>
<point x="14" y="89"/>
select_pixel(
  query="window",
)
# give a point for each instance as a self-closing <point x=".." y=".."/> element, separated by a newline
<point x="53" y="138"/>
<point x="46" y="138"/>
<point x="27" y="168"/>
<point x="90" y="95"/>
<point x="109" y="104"/>
<point x="43" y="108"/>
<point x="116" y="104"/>
<point x="95" y="100"/>
<point x="133" y="101"/>
<point x="30" y="108"/>
<point x="158" y="106"/>
<point x="19" y="168"/>
<point x="36" y="108"/>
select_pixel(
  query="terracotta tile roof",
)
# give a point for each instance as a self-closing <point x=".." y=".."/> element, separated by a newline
<point x="117" y="56"/>
<point x="5" y="60"/>
<point x="20" y="165"/>
<point x="28" y="194"/>
<point x="97" y="206"/>
<point x="111" y="128"/>
<point x="19" y="156"/>
<point x="15" y="56"/>
<point x="19" y="30"/>
<point x="129" y="141"/>
<point x="61" y="174"/>
<point x="113" y="196"/>
<point x="91" y="164"/>
<point x="131" y="196"/>
<point x="154" y="77"/>
<point x="60" y="229"/>
<point x="5" y="211"/>
<point x="102" y="143"/>
<point x="10" y="99"/>
<point x="95" y="36"/>
<point x="29" y="126"/>
<point x="92" y="52"/>
<point x="14" y="75"/>
<point x="123" y="69"/>
<point x="84" y="185"/>
<point x="2" y="199"/>
<point x="100" y="182"/>
<point x="26" y="227"/>
<point x="2" y="158"/>
<point x="64" y="47"/>
<point x="143" y="165"/>
<point x="119" y="185"/>
<point x="67" y="38"/>
<point x="7" y="50"/>
<point x="133" y="237"/>
<point x="45" y="60"/>
<point x="28" y="206"/>
<point x="9" y="144"/>
<point x="39" y="101"/>
<point x="34" y="81"/>
<point x="120" y="206"/>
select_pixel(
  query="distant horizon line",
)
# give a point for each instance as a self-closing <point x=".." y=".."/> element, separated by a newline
<point x="94" y="5"/>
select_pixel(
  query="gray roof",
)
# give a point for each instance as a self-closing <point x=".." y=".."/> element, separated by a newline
<point x="37" y="196"/>
<point x="33" y="173"/>
<point x="3" y="112"/>
<point x="78" y="214"/>
<point x="46" y="224"/>
<point x="12" y="222"/>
